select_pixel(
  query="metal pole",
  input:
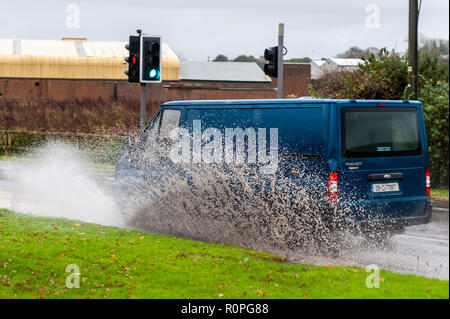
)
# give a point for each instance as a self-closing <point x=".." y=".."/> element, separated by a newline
<point x="412" y="46"/>
<point x="143" y="87"/>
<point x="280" y="59"/>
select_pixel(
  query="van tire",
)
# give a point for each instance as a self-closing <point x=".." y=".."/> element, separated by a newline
<point x="279" y="231"/>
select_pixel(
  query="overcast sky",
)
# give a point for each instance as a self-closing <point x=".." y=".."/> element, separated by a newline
<point x="198" y="29"/>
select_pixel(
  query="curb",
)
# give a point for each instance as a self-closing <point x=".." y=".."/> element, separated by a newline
<point x="441" y="210"/>
<point x="440" y="203"/>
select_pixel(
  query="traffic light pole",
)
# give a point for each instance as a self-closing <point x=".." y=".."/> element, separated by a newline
<point x="144" y="65"/>
<point x="280" y="60"/>
<point x="143" y="89"/>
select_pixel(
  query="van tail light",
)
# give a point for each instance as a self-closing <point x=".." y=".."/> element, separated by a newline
<point x="427" y="182"/>
<point x="333" y="187"/>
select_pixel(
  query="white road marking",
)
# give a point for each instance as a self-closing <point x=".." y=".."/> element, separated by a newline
<point x="425" y="238"/>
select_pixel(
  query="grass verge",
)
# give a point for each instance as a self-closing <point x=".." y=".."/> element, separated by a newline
<point x="21" y="158"/>
<point x="440" y="193"/>
<point x="124" y="263"/>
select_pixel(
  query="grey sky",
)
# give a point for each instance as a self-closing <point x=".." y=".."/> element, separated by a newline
<point x="199" y="29"/>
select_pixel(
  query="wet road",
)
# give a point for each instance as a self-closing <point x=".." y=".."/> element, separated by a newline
<point x="421" y="250"/>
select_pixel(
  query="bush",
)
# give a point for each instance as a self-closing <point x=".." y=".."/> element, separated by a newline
<point x="381" y="76"/>
<point x="433" y="60"/>
<point x="431" y="67"/>
<point x="435" y="99"/>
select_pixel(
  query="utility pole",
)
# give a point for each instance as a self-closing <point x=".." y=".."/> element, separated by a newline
<point x="412" y="47"/>
<point x="280" y="60"/>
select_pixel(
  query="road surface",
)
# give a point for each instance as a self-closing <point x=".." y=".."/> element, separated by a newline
<point x="421" y="250"/>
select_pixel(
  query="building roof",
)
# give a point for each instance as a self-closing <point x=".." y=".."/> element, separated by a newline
<point x="73" y="59"/>
<point x="316" y="68"/>
<point x="319" y="63"/>
<point x="222" y="72"/>
<point x="346" y="61"/>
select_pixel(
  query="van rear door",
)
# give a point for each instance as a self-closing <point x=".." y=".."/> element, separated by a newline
<point x="383" y="159"/>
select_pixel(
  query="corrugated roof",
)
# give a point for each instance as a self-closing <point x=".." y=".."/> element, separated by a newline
<point x="316" y="70"/>
<point x="346" y="61"/>
<point x="73" y="59"/>
<point x="64" y="48"/>
<point x="319" y="63"/>
<point x="222" y="71"/>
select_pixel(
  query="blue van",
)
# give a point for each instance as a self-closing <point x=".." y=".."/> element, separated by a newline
<point x="369" y="157"/>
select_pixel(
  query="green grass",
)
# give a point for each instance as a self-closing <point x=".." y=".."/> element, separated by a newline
<point x="14" y="157"/>
<point x="123" y="263"/>
<point x="22" y="158"/>
<point x="442" y="193"/>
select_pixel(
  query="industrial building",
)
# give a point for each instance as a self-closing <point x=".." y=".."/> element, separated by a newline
<point x="77" y="68"/>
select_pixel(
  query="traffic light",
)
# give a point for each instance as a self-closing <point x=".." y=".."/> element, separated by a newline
<point x="271" y="68"/>
<point x="151" y="59"/>
<point x="133" y="59"/>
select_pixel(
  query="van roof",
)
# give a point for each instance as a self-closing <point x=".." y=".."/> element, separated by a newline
<point x="282" y="101"/>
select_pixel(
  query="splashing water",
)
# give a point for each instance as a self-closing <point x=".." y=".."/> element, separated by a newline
<point x="57" y="184"/>
<point x="222" y="203"/>
<point x="214" y="202"/>
<point x="211" y="203"/>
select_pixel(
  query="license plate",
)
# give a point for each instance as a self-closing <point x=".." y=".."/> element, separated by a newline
<point x="385" y="187"/>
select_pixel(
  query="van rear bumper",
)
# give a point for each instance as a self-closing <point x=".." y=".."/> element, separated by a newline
<point x="387" y="223"/>
<point x="398" y="223"/>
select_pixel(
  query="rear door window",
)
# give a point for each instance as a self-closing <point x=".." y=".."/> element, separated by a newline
<point x="376" y="132"/>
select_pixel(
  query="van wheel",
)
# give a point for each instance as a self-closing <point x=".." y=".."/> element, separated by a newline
<point x="381" y="236"/>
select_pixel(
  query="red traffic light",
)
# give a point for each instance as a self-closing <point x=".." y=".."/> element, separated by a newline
<point x="153" y="48"/>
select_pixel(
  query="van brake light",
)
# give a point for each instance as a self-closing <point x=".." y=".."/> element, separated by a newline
<point x="333" y="187"/>
<point x="427" y="182"/>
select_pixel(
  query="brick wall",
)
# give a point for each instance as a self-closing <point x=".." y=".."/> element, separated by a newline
<point x="296" y="81"/>
<point x="297" y="78"/>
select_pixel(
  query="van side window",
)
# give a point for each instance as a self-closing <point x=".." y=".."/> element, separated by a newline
<point x="170" y="120"/>
<point x="150" y="133"/>
<point x="154" y="125"/>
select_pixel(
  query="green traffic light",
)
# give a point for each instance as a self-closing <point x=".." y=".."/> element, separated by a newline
<point x="153" y="74"/>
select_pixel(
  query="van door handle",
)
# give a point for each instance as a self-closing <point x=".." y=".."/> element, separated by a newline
<point x="384" y="176"/>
